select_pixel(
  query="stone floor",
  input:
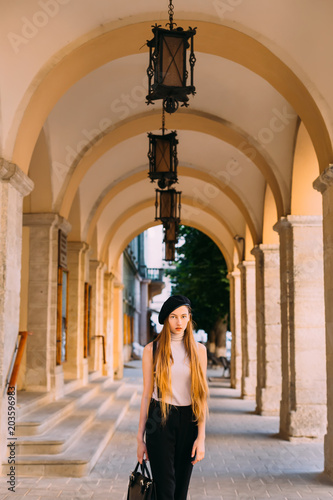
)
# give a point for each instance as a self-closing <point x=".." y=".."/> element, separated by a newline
<point x="244" y="459"/>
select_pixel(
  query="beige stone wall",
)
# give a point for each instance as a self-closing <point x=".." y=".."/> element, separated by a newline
<point x="236" y="331"/>
<point x="13" y="186"/>
<point x="41" y="370"/>
<point x="74" y="368"/>
<point x="249" y="330"/>
<point x="268" y="393"/>
<point x="324" y="184"/>
<point x="108" y="298"/>
<point x="303" y="403"/>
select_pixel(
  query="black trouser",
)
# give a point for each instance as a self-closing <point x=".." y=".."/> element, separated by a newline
<point x="169" y="449"/>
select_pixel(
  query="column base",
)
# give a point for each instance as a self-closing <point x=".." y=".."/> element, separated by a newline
<point x="59" y="381"/>
<point x="266" y="401"/>
<point x="328" y="451"/>
<point x="307" y="423"/>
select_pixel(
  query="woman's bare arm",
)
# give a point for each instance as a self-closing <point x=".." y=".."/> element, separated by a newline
<point x="198" y="450"/>
<point x="147" y="370"/>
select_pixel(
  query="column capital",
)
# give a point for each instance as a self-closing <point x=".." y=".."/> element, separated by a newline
<point x="109" y="276"/>
<point x="11" y="173"/>
<point x="298" y="221"/>
<point x="259" y="249"/>
<point x="96" y="265"/>
<point x="47" y="219"/>
<point x="233" y="274"/>
<point x="119" y="285"/>
<point x="246" y="264"/>
<point x="78" y="246"/>
<point x="325" y="180"/>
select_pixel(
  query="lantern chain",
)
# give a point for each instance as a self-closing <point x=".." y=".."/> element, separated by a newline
<point x="171" y="12"/>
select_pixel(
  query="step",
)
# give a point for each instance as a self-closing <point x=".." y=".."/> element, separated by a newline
<point x="57" y="438"/>
<point x="43" y="418"/>
<point x="28" y="401"/>
<point x="81" y="456"/>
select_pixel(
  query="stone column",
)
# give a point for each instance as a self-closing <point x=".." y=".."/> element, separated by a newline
<point x="236" y="330"/>
<point x="76" y="366"/>
<point x="108" y="324"/>
<point x="118" y="330"/>
<point x="268" y="395"/>
<point x="303" y="403"/>
<point x="249" y="333"/>
<point x="324" y="184"/>
<point x="96" y="275"/>
<point x="144" y="331"/>
<point x="42" y="374"/>
<point x="14" y="185"/>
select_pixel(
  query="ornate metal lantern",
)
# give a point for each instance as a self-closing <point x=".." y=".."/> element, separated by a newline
<point x="163" y="158"/>
<point x="167" y="71"/>
<point x="171" y="228"/>
<point x="170" y="251"/>
<point x="168" y="205"/>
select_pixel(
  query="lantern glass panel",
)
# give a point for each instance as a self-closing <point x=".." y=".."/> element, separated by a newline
<point x="162" y="156"/>
<point x="169" y="250"/>
<point x="166" y="204"/>
<point x="171" y="231"/>
<point x="173" y="55"/>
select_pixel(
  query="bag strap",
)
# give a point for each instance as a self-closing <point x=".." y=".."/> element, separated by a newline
<point x="145" y="470"/>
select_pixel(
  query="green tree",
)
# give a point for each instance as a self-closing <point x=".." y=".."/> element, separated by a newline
<point x="200" y="274"/>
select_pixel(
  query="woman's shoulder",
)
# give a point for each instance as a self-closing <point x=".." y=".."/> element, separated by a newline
<point x="201" y="347"/>
<point x="148" y="348"/>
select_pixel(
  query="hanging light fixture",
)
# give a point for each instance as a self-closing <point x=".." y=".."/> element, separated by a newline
<point x="162" y="156"/>
<point x="167" y="71"/>
<point x="171" y="228"/>
<point x="168" y="205"/>
<point x="170" y="251"/>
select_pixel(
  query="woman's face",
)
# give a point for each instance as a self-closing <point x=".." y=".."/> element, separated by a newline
<point x="178" y="319"/>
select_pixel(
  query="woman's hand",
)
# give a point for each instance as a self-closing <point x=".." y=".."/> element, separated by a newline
<point x="142" y="451"/>
<point x="198" y="450"/>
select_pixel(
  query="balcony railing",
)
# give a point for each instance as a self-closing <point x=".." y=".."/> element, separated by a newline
<point x="152" y="273"/>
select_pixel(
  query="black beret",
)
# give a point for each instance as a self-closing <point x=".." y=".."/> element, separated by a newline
<point x="170" y="305"/>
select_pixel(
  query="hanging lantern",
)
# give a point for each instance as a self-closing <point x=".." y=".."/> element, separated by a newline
<point x="167" y="71"/>
<point x="170" y="251"/>
<point x="163" y="159"/>
<point x="171" y="230"/>
<point x="168" y="205"/>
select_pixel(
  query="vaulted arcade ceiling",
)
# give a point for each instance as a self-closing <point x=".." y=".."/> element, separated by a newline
<point x="255" y="136"/>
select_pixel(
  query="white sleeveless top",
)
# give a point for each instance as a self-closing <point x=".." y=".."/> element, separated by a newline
<point x="180" y="374"/>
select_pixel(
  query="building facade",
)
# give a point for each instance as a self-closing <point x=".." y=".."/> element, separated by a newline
<point x="255" y="162"/>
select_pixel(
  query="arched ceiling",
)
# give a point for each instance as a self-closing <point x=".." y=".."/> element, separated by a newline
<point x="77" y="74"/>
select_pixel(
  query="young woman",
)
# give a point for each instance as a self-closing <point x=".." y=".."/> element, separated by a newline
<point x="174" y="401"/>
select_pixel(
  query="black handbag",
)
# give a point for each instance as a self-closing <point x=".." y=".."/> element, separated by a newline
<point x="141" y="486"/>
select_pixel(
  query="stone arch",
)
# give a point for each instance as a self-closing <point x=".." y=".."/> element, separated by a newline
<point x="148" y="204"/>
<point x="74" y="62"/>
<point x="187" y="172"/>
<point x="190" y="120"/>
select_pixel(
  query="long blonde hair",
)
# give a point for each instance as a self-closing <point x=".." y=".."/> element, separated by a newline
<point x="162" y="371"/>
